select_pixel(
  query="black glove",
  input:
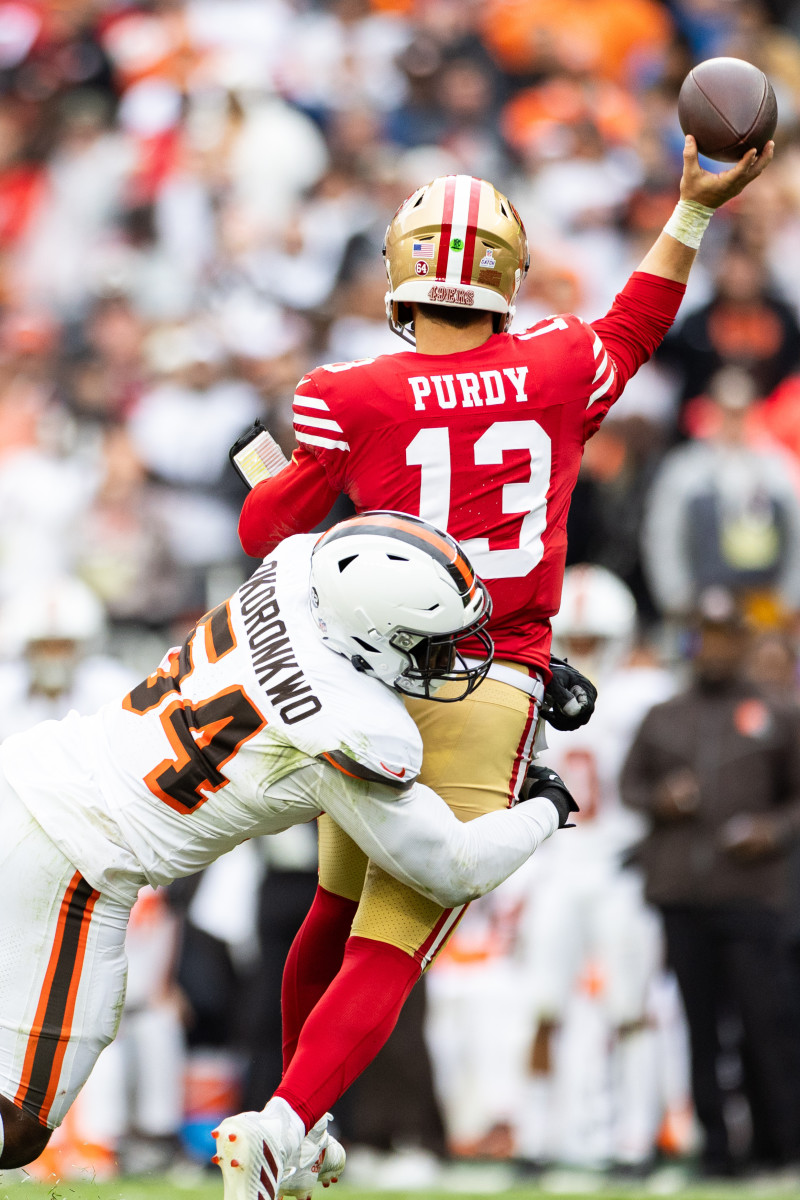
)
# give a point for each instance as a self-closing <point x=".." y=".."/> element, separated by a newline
<point x="569" y="696"/>
<point x="256" y="455"/>
<point x="543" y="781"/>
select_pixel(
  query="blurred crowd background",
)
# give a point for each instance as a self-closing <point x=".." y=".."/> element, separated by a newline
<point x="193" y="196"/>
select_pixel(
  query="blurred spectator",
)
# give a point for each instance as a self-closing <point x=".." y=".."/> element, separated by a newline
<point x="122" y="547"/>
<point x="619" y="40"/>
<point x="724" y="512"/>
<point x="717" y="772"/>
<point x="45" y="487"/>
<point x="744" y="324"/>
<point x="53" y="659"/>
<point x="607" y="510"/>
<point x="181" y="429"/>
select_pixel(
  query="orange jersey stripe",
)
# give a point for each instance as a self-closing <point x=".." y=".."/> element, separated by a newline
<point x="339" y="767"/>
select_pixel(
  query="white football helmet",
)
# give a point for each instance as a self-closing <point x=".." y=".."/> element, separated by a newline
<point x="61" y="608"/>
<point x="397" y="597"/>
<point x="457" y="242"/>
<point x="596" y="623"/>
<point x="53" y="624"/>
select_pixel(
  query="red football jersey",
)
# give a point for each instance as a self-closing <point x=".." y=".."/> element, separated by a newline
<point x="485" y="443"/>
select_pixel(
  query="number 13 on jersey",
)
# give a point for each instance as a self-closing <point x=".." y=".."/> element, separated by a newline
<point x="430" y="450"/>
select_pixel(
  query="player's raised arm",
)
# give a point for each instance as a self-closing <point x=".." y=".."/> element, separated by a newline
<point x="644" y="310"/>
<point x="701" y="193"/>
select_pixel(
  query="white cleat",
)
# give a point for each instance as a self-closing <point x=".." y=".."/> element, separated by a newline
<point x="250" y="1156"/>
<point x="321" y="1159"/>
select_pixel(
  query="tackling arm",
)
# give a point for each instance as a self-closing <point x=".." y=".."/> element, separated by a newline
<point x="413" y="836"/>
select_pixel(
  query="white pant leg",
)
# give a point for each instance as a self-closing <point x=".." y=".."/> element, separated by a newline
<point x="626" y="940"/>
<point x="62" y="968"/>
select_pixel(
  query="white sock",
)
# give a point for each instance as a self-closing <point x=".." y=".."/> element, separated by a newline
<point x="292" y="1126"/>
<point x="534" y="1131"/>
<point x="637" y="1082"/>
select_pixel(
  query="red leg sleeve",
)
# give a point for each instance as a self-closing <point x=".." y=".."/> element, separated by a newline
<point x="348" y="1026"/>
<point x="315" y="957"/>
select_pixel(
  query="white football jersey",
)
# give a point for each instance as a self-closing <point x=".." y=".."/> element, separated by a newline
<point x="590" y="760"/>
<point x="159" y="784"/>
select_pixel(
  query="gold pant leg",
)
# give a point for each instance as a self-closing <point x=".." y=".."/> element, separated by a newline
<point x="472" y="753"/>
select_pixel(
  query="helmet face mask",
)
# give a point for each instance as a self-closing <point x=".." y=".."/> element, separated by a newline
<point x="436" y="661"/>
<point x="397" y="597"/>
<point x="455" y="242"/>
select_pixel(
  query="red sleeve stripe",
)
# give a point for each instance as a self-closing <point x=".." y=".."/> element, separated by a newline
<point x="447" y="219"/>
<point x="468" y="256"/>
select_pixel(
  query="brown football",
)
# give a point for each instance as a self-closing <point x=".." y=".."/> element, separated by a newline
<point x="729" y="107"/>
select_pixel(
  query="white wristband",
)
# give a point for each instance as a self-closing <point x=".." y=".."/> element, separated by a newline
<point x="689" y="222"/>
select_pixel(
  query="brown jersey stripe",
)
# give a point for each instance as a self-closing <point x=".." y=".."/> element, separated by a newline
<point x="219" y="636"/>
<point x="50" y="1033"/>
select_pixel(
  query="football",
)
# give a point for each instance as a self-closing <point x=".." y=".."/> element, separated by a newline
<point x="729" y="107"/>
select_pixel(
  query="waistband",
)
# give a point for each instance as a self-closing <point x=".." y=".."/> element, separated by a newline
<point x="533" y="685"/>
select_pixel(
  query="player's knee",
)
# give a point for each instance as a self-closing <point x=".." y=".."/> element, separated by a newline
<point x="24" y="1138"/>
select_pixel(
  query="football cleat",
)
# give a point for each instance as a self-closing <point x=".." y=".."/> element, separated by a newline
<point x="321" y="1159"/>
<point x="251" y="1157"/>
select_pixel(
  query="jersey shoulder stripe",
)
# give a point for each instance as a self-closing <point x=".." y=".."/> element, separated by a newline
<point x="605" y="376"/>
<point x="312" y="402"/>
<point x="310" y="439"/>
<point x="311" y="428"/>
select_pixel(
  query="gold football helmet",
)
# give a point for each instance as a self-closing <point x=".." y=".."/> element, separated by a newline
<point x="457" y="241"/>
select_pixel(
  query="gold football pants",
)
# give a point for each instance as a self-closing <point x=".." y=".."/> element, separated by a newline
<point x="475" y="753"/>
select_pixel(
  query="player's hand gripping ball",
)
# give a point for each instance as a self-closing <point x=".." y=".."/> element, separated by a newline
<point x="729" y="107"/>
<point x="569" y="697"/>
